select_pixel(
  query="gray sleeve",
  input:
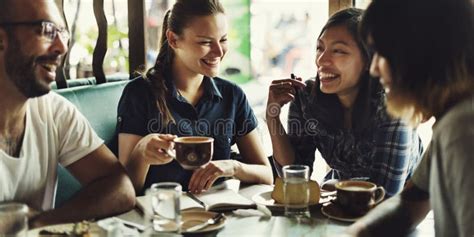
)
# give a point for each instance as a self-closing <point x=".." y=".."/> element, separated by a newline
<point x="458" y="162"/>
<point x="421" y="177"/>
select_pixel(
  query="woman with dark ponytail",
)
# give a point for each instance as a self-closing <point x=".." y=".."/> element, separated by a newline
<point x="181" y="96"/>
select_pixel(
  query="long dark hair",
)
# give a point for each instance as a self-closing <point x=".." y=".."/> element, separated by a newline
<point x="176" y="20"/>
<point x="369" y="88"/>
<point x="429" y="46"/>
<point x="5" y="10"/>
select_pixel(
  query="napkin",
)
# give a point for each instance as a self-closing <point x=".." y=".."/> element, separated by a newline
<point x="261" y="211"/>
<point x="116" y="227"/>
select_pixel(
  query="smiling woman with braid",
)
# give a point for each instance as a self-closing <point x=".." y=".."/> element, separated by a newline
<point x="182" y="96"/>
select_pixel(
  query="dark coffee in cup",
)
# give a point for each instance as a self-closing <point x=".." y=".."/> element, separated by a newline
<point x="193" y="152"/>
<point x="358" y="197"/>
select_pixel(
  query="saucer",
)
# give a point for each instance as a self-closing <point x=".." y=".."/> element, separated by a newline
<point x="266" y="199"/>
<point x="334" y="211"/>
<point x="192" y="218"/>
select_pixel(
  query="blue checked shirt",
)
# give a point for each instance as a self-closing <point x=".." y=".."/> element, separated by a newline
<point x="386" y="153"/>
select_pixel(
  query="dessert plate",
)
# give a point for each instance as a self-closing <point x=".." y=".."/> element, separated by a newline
<point x="266" y="199"/>
<point x="192" y="218"/>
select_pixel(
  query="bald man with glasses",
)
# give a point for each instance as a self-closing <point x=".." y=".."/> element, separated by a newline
<point x="47" y="29"/>
<point x="39" y="129"/>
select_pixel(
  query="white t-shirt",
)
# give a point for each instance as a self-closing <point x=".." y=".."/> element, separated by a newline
<point x="55" y="132"/>
<point x="446" y="172"/>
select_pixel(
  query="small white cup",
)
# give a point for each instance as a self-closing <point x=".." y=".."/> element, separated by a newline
<point x="296" y="190"/>
<point x="165" y="201"/>
<point x="13" y="219"/>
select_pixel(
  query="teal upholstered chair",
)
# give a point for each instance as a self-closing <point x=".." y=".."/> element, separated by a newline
<point x="98" y="103"/>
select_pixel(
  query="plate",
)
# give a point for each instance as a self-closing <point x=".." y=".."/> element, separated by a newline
<point x="60" y="229"/>
<point x="65" y="229"/>
<point x="266" y="199"/>
<point x="192" y="218"/>
<point x="334" y="211"/>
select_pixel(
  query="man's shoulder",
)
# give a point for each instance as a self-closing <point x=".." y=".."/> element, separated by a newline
<point x="52" y="107"/>
<point x="457" y="121"/>
<point x="52" y="100"/>
<point x="462" y="110"/>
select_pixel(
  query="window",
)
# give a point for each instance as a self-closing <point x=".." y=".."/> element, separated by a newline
<point x="84" y="33"/>
<point x="284" y="36"/>
<point x="362" y="3"/>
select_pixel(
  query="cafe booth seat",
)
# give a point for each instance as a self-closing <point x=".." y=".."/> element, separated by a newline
<point x="91" y="81"/>
<point x="98" y="103"/>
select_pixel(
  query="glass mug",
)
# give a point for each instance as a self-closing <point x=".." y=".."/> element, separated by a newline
<point x="165" y="203"/>
<point x="296" y="190"/>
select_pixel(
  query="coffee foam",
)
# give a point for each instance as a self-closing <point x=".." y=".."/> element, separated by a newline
<point x="355" y="186"/>
<point x="193" y="139"/>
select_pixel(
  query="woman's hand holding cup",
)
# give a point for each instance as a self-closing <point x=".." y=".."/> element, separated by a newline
<point x="155" y="148"/>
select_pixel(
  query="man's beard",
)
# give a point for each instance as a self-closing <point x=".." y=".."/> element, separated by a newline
<point x="20" y="69"/>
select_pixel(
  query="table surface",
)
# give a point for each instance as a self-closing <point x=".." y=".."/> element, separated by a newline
<point x="236" y="225"/>
<point x="317" y="225"/>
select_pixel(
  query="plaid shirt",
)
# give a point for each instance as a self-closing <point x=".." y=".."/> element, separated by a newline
<point x="386" y="153"/>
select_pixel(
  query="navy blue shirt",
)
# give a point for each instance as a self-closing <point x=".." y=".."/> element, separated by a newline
<point x="223" y="113"/>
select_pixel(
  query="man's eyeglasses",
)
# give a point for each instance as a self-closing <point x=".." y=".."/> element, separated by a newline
<point x="49" y="30"/>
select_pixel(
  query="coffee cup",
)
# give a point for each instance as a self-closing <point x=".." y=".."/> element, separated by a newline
<point x="193" y="152"/>
<point x="358" y="197"/>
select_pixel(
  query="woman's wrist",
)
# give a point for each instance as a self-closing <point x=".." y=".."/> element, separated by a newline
<point x="36" y="221"/>
<point x="272" y="114"/>
<point x="272" y="121"/>
<point x="237" y="168"/>
<point x="137" y="157"/>
<point x="273" y="111"/>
